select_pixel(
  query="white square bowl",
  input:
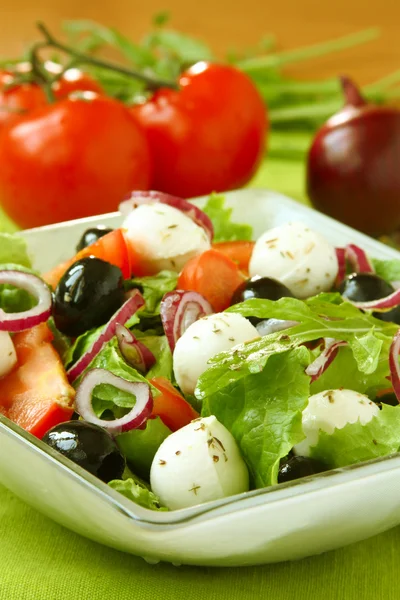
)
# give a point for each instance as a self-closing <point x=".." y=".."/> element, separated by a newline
<point x="284" y="522"/>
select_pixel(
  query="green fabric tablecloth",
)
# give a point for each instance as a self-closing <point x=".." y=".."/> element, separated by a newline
<point x="40" y="560"/>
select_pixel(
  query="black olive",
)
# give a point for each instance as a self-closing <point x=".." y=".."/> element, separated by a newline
<point x="90" y="236"/>
<point x="260" y="287"/>
<point x="87" y="296"/>
<point x="89" y="446"/>
<point x="364" y="287"/>
<point x="389" y="398"/>
<point x="295" y="467"/>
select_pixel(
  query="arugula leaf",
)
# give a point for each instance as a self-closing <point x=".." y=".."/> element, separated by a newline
<point x="140" y="445"/>
<point x="224" y="229"/>
<point x="389" y="270"/>
<point x="318" y="317"/>
<point x="356" y="443"/>
<point x="135" y="490"/>
<point x="13" y="250"/>
<point x="264" y="411"/>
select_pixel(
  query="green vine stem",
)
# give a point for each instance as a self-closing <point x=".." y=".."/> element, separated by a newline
<point x="151" y="82"/>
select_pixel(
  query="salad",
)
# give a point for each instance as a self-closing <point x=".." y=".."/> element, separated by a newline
<point x="181" y="362"/>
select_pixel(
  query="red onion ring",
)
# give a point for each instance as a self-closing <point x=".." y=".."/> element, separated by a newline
<point x="178" y="310"/>
<point x="133" y="350"/>
<point x="122" y="315"/>
<point x="132" y="420"/>
<point x="341" y="259"/>
<point x="322" y="362"/>
<point x="13" y="322"/>
<point x="358" y="259"/>
<point x="394" y="364"/>
<point x="136" y="198"/>
<point x="381" y="304"/>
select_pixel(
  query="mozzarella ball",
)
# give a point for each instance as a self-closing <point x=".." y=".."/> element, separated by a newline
<point x="198" y="463"/>
<point x="296" y="256"/>
<point x="8" y="356"/>
<point x="204" y="339"/>
<point x="331" y="410"/>
<point x="163" y="237"/>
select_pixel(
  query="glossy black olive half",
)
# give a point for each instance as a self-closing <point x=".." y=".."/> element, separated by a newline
<point x="89" y="446"/>
<point x="364" y="287"/>
<point x="90" y="236"/>
<point x="298" y="466"/>
<point x="87" y="296"/>
<point x="260" y="287"/>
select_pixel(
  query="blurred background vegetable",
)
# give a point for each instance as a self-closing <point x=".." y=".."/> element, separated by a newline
<point x="295" y="108"/>
<point x="353" y="170"/>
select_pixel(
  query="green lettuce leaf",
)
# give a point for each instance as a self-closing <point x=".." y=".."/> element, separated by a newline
<point x="263" y="412"/>
<point x="153" y="289"/>
<point x="343" y="372"/>
<point x="61" y="342"/>
<point x="85" y="341"/>
<point x="140" y="445"/>
<point x="356" y="443"/>
<point x="158" y="345"/>
<point x="318" y="317"/>
<point x="13" y="250"/>
<point x="224" y="229"/>
<point x="389" y="270"/>
<point x="135" y="490"/>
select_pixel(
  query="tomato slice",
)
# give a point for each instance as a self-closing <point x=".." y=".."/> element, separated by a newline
<point x="214" y="276"/>
<point x="172" y="408"/>
<point x="111" y="247"/>
<point x="239" y="252"/>
<point x="36" y="395"/>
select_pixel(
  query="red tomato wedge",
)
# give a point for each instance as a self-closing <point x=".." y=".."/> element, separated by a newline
<point x="111" y="247"/>
<point x="36" y="395"/>
<point x="239" y="252"/>
<point x="214" y="275"/>
<point x="172" y="408"/>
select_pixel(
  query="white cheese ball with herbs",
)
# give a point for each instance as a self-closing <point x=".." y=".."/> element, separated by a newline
<point x="8" y="356"/>
<point x="204" y="339"/>
<point x="199" y="463"/>
<point x="296" y="256"/>
<point x="331" y="410"/>
<point x="163" y="237"/>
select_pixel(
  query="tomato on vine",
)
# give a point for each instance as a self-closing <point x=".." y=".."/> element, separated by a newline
<point x="71" y="159"/>
<point x="207" y="136"/>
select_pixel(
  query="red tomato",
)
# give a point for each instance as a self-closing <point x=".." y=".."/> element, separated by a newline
<point x="172" y="408"/>
<point x="15" y="101"/>
<point x="75" y="80"/>
<point x="36" y="395"/>
<point x="111" y="248"/>
<point x="239" y="252"/>
<point x="209" y="135"/>
<point x="214" y="276"/>
<point x="71" y="159"/>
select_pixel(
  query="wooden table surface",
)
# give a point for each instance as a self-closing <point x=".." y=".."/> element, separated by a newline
<point x="231" y="23"/>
